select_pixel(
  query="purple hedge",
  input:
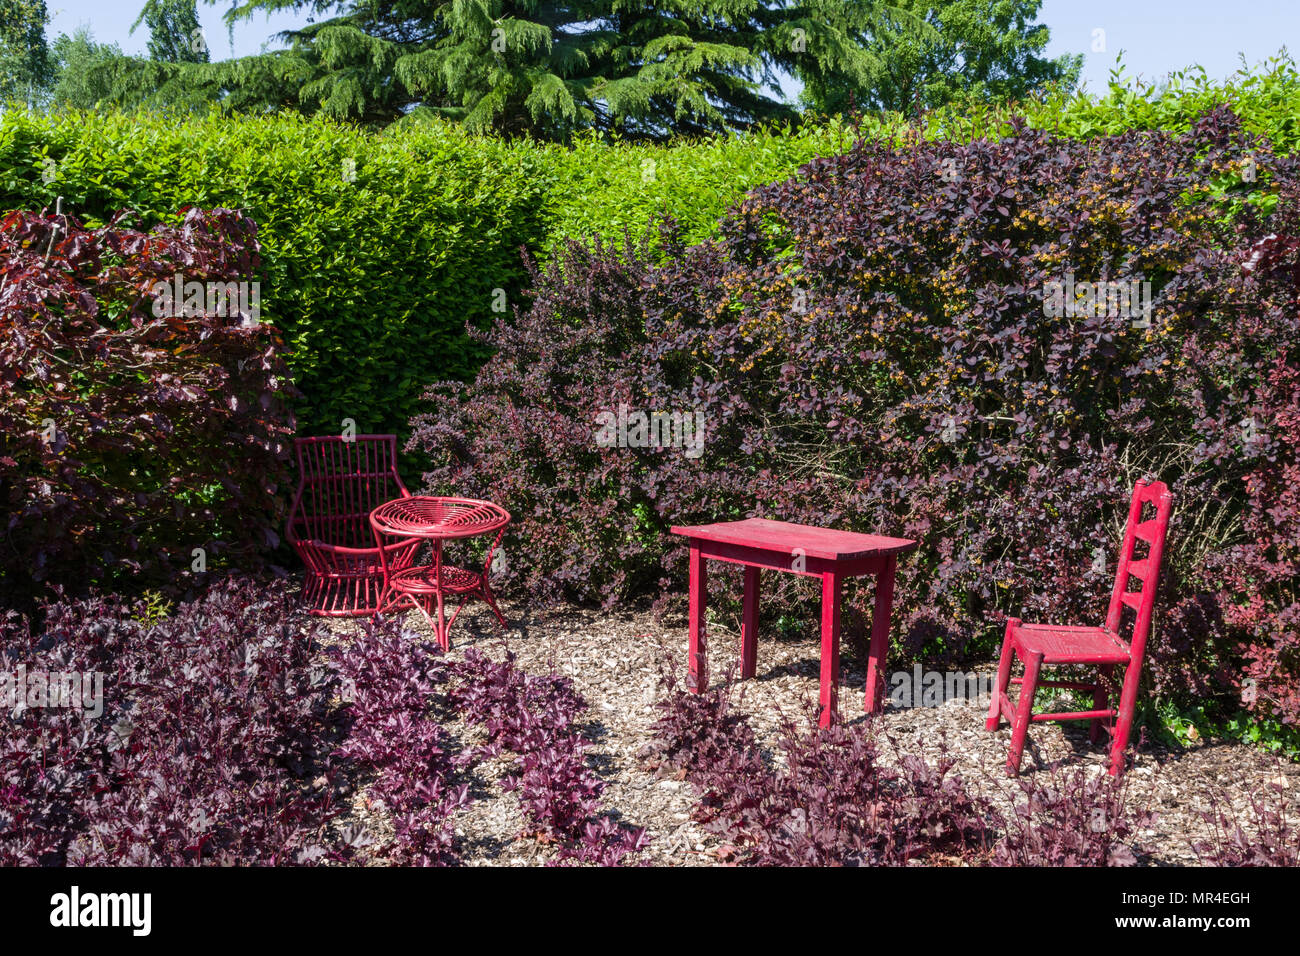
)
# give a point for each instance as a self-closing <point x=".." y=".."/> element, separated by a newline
<point x="868" y="347"/>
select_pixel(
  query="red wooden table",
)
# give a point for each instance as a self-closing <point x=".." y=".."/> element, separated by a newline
<point x="803" y="549"/>
<point x="437" y="520"/>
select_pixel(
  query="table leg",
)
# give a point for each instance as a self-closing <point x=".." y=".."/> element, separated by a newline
<point x="441" y="629"/>
<point x="830" y="677"/>
<point x="749" y="625"/>
<point x="880" y="637"/>
<point x="383" y="566"/>
<point x="488" y="596"/>
<point x="698" y="665"/>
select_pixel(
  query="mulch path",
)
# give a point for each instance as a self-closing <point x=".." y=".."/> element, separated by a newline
<point x="615" y="661"/>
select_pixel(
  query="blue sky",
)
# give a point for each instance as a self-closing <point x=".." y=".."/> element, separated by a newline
<point x="1156" y="36"/>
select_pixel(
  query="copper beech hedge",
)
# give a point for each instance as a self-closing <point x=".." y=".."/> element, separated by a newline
<point x="138" y="439"/>
<point x="868" y="346"/>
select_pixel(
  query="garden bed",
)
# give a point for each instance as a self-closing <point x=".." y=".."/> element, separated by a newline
<point x="615" y="661"/>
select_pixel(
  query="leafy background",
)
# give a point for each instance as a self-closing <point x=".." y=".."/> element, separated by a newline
<point x="372" y="282"/>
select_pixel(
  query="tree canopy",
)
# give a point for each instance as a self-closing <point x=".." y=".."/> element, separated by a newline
<point x="549" y="68"/>
<point x="922" y="54"/>
<point x="174" y="33"/>
<point x="25" y="64"/>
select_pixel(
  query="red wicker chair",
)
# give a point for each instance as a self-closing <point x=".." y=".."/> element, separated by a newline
<point x="341" y="482"/>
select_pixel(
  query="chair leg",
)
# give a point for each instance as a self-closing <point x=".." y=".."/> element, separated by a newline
<point x="1004" y="677"/>
<point x="1100" y="698"/>
<point x="1024" y="711"/>
<point x="464" y="599"/>
<point x="419" y="602"/>
<point x="491" y="600"/>
<point x="1124" y="723"/>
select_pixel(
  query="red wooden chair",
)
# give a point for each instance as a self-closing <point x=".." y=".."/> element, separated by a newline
<point x="341" y="482"/>
<point x="1039" y="644"/>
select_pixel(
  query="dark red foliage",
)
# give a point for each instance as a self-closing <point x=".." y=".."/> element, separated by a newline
<point x="212" y="746"/>
<point x="1271" y="836"/>
<point x="1075" y="817"/>
<point x="695" y="731"/>
<point x="230" y="735"/>
<point x="128" y="440"/>
<point x="1261" y="598"/>
<point x="833" y="803"/>
<point x="868" y="347"/>
<point x="389" y="679"/>
<point x="533" y="717"/>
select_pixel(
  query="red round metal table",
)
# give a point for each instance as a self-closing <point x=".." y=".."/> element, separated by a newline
<point x="426" y="586"/>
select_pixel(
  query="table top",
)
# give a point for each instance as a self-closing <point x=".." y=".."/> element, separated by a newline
<point x="783" y="536"/>
<point x="426" y="516"/>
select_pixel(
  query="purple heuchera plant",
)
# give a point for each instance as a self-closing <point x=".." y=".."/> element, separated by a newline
<point x="833" y="803"/>
<point x="230" y="732"/>
<point x="212" y="746"/>
<point x="533" y="716"/>
<point x="1271" y="836"/>
<point x="389" y="680"/>
<point x="1074" y="817"/>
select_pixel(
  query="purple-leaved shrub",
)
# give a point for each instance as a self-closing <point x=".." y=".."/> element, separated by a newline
<point x="869" y="346"/>
<point x="131" y="433"/>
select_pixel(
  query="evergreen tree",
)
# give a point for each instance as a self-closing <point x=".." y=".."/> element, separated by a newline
<point x="85" y="71"/>
<point x="924" y="53"/>
<point x="174" y="32"/>
<point x="644" y="68"/>
<point x="650" y="68"/>
<point x="25" y="66"/>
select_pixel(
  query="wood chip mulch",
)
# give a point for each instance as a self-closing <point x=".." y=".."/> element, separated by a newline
<point x="615" y="661"/>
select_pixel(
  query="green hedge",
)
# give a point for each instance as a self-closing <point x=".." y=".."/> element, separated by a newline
<point x="373" y="281"/>
<point x="604" y="188"/>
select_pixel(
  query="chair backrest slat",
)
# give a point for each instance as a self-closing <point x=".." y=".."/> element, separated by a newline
<point x="341" y="481"/>
<point x="1148" y="522"/>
